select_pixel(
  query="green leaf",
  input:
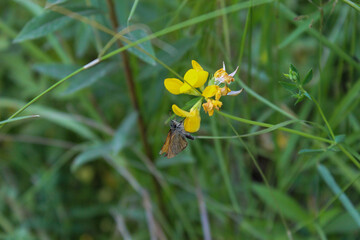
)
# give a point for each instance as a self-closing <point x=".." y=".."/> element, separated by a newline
<point x="18" y="119"/>
<point x="305" y="150"/>
<point x="307" y="95"/>
<point x="133" y="8"/>
<point x="280" y="202"/>
<point x="330" y="181"/>
<point x="343" y="223"/>
<point x="294" y="74"/>
<point x="299" y="99"/>
<point x="83" y="38"/>
<point x="55" y="70"/>
<point x="291" y="87"/>
<point x="90" y="76"/>
<point x="179" y="49"/>
<point x="308" y="77"/>
<point x="49" y="22"/>
<point x="293" y="69"/>
<point x="122" y="134"/>
<point x="191" y="103"/>
<point x="90" y="154"/>
<point x="139" y="34"/>
<point x="340" y="138"/>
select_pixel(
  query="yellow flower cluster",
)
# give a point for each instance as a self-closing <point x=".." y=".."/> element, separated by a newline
<point x="196" y="78"/>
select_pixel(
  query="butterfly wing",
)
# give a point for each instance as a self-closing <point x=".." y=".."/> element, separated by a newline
<point x="165" y="147"/>
<point x="177" y="144"/>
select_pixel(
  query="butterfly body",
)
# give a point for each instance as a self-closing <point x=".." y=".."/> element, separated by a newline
<point x="176" y="139"/>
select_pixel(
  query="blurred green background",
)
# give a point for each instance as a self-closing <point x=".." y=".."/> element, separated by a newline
<point x="89" y="168"/>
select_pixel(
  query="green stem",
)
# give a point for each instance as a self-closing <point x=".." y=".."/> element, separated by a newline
<point x="267" y="125"/>
<point x="356" y="162"/>
<point x="349" y="155"/>
<point x="324" y="118"/>
<point x="352" y="4"/>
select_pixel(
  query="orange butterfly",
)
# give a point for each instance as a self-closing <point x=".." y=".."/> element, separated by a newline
<point x="176" y="139"/>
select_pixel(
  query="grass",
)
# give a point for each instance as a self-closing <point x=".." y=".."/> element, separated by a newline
<point x="260" y="168"/>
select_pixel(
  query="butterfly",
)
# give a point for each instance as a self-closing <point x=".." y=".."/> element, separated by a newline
<point x="176" y="140"/>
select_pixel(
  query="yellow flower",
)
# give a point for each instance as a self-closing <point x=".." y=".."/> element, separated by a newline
<point x="211" y="105"/>
<point x="194" y="78"/>
<point x="192" y="118"/>
<point x="222" y="76"/>
<point x="215" y="90"/>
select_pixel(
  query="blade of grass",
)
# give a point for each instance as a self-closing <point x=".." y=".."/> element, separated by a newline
<point x="18" y="119"/>
<point x="330" y="181"/>
<point x="270" y="129"/>
<point x="224" y="170"/>
<point x="267" y="125"/>
<point x="335" y="48"/>
<point x="352" y="4"/>
<point x="264" y="100"/>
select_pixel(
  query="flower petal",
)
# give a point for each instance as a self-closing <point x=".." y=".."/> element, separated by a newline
<point x="173" y="85"/>
<point x="233" y="73"/>
<point x="202" y="77"/>
<point x="210" y="91"/>
<point x="196" y="66"/>
<point x="234" y="93"/>
<point x="181" y="113"/>
<point x="191" y="77"/>
<point x="192" y="124"/>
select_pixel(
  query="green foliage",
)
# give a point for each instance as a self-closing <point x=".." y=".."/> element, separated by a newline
<point x="296" y="87"/>
<point x="49" y="22"/>
<point x="83" y="119"/>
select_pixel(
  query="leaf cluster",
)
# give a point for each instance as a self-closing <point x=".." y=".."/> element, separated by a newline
<point x="296" y="85"/>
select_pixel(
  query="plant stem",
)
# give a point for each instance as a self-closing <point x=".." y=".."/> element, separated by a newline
<point x="324" y="118"/>
<point x="349" y="155"/>
<point x="267" y="125"/>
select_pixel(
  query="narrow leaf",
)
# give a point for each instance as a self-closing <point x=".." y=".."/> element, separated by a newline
<point x="139" y="34"/>
<point x="306" y="150"/>
<point x="55" y="70"/>
<point x="49" y="22"/>
<point x="122" y="134"/>
<point x="291" y="87"/>
<point x="90" y="154"/>
<point x="307" y="95"/>
<point x="308" y="77"/>
<point x="90" y="76"/>
<point x="299" y="99"/>
<point x="340" y="138"/>
<point x="281" y="202"/>
<point x="330" y="181"/>
<point x="133" y="8"/>
<point x="18" y="119"/>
